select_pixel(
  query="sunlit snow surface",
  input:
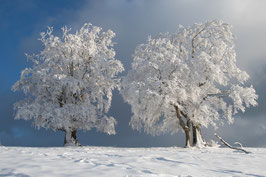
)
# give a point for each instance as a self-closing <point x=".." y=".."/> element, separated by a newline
<point x="111" y="162"/>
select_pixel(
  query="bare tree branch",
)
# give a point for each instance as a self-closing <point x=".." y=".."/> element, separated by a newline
<point x="219" y="95"/>
<point x="228" y="145"/>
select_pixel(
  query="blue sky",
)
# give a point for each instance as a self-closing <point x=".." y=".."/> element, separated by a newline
<point x="21" y="21"/>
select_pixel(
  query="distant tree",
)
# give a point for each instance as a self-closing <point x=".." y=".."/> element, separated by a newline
<point x="186" y="80"/>
<point x="70" y="84"/>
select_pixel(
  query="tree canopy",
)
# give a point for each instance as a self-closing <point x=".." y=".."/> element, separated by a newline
<point x="70" y="84"/>
<point x="187" y="78"/>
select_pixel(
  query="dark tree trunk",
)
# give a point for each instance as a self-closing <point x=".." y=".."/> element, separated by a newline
<point x="71" y="138"/>
<point x="185" y="126"/>
<point x="194" y="129"/>
<point x="197" y="135"/>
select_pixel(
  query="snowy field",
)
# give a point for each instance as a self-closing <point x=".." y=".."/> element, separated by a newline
<point x="112" y="162"/>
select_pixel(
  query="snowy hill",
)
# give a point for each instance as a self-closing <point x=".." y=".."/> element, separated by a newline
<point x="109" y="161"/>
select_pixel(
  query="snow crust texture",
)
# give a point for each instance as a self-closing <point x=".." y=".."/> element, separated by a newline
<point x="129" y="162"/>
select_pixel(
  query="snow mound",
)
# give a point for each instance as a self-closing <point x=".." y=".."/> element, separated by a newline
<point x="130" y="162"/>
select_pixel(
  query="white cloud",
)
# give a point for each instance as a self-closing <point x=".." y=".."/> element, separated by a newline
<point x="134" y="20"/>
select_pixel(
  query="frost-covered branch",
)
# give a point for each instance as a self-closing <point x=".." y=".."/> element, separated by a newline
<point x="193" y="40"/>
<point x="228" y="145"/>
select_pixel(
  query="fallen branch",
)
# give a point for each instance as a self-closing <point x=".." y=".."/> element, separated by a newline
<point x="228" y="145"/>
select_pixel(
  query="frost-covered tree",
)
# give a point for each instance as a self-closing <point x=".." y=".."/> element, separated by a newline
<point x="70" y="84"/>
<point x="186" y="80"/>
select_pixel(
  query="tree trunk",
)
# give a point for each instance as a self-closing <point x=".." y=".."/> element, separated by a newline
<point x="188" y="134"/>
<point x="197" y="136"/>
<point x="194" y="129"/>
<point x="71" y="138"/>
<point x="185" y="127"/>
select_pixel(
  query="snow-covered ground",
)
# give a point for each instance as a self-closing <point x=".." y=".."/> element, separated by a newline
<point x="112" y="162"/>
